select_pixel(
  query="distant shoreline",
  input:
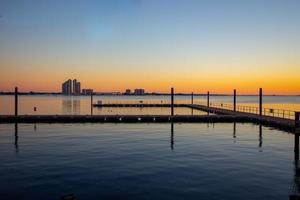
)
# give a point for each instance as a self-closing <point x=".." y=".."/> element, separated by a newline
<point x="146" y="94"/>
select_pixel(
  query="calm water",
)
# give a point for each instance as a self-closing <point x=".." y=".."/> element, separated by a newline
<point x="145" y="161"/>
<point x="57" y="104"/>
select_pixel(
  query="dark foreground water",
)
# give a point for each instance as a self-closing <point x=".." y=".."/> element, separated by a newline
<point x="145" y="161"/>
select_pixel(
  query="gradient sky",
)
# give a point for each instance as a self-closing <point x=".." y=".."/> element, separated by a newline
<point x="112" y="45"/>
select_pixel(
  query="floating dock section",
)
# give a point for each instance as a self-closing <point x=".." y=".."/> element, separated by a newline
<point x="214" y="115"/>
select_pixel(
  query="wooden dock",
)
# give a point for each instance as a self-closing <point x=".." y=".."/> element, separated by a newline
<point x="266" y="120"/>
<point x="287" y="124"/>
<point x="119" y="105"/>
<point x="120" y="118"/>
<point x="215" y="115"/>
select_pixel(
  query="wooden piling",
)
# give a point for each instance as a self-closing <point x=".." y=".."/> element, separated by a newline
<point x="16" y="101"/>
<point x="297" y="122"/>
<point x="297" y="117"/>
<point x="192" y="98"/>
<point x="172" y="101"/>
<point x="260" y="101"/>
<point x="91" y="103"/>
<point x="234" y="100"/>
<point x="208" y="99"/>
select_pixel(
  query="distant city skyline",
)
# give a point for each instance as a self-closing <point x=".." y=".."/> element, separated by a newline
<point x="192" y="45"/>
<point x="71" y="87"/>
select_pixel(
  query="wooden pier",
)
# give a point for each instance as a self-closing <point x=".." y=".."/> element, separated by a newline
<point x="214" y="115"/>
<point x="287" y="124"/>
<point x="139" y="105"/>
<point x="120" y="118"/>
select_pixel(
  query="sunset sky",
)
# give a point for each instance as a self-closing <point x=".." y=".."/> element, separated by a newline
<point x="200" y="45"/>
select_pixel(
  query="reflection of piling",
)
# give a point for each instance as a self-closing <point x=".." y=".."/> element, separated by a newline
<point x="16" y="136"/>
<point x="234" y="100"/>
<point x="260" y="101"/>
<point x="172" y="101"/>
<point x="260" y="136"/>
<point x="208" y="99"/>
<point x="234" y="130"/>
<point x="16" y="101"/>
<point x="172" y="135"/>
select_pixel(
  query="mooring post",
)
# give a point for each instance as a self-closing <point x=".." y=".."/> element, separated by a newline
<point x="208" y="99"/>
<point x="16" y="101"/>
<point x="91" y="103"/>
<point x="260" y="101"/>
<point x="192" y="98"/>
<point x="297" y="122"/>
<point x="234" y="100"/>
<point x="172" y="101"/>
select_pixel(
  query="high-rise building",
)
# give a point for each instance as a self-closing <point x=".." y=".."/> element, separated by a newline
<point x="76" y="87"/>
<point x="71" y="87"/>
<point x="66" y="87"/>
<point x="127" y="92"/>
<point x="139" y="91"/>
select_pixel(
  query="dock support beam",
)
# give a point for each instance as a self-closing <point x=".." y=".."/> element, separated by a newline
<point x="234" y="100"/>
<point x="208" y="99"/>
<point x="91" y="103"/>
<point x="260" y="101"/>
<point x="172" y="101"/>
<point x="16" y="101"/>
<point x="192" y="98"/>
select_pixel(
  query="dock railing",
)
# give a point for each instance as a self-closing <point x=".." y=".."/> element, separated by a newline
<point x="273" y="112"/>
<point x="280" y="113"/>
<point x="137" y="102"/>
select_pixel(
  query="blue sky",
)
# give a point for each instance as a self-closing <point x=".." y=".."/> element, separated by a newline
<point x="151" y="37"/>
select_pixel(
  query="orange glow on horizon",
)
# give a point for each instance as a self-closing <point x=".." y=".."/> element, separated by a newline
<point x="218" y="85"/>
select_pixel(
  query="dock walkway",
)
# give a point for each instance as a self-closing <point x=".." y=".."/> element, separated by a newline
<point x="218" y="115"/>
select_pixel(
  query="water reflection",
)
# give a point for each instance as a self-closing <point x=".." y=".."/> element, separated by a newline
<point x="76" y="106"/>
<point x="293" y="184"/>
<point x="260" y="137"/>
<point x="234" y="132"/>
<point x="296" y="182"/>
<point x="172" y="136"/>
<point x="16" y="138"/>
<point x="70" y="106"/>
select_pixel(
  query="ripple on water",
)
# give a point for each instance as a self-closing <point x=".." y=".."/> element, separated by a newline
<point x="145" y="161"/>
